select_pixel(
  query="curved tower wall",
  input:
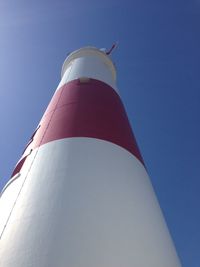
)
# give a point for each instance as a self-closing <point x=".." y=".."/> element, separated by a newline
<point x="80" y="195"/>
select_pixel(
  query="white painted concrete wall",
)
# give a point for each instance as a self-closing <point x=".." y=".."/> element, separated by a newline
<point x="86" y="202"/>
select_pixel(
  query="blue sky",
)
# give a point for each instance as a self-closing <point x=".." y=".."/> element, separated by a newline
<point x="158" y="77"/>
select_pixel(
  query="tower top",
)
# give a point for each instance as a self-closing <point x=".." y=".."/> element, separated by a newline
<point x="87" y="52"/>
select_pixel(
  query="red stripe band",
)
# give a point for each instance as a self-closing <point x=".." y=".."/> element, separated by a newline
<point x="88" y="109"/>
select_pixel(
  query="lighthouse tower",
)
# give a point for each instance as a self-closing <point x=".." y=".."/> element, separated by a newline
<point x="80" y="195"/>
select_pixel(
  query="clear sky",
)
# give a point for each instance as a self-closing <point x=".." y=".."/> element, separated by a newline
<point x="158" y="64"/>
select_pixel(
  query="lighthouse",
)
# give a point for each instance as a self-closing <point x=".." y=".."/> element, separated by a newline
<point x="80" y="195"/>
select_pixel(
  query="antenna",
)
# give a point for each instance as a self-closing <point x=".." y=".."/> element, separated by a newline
<point x="112" y="48"/>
